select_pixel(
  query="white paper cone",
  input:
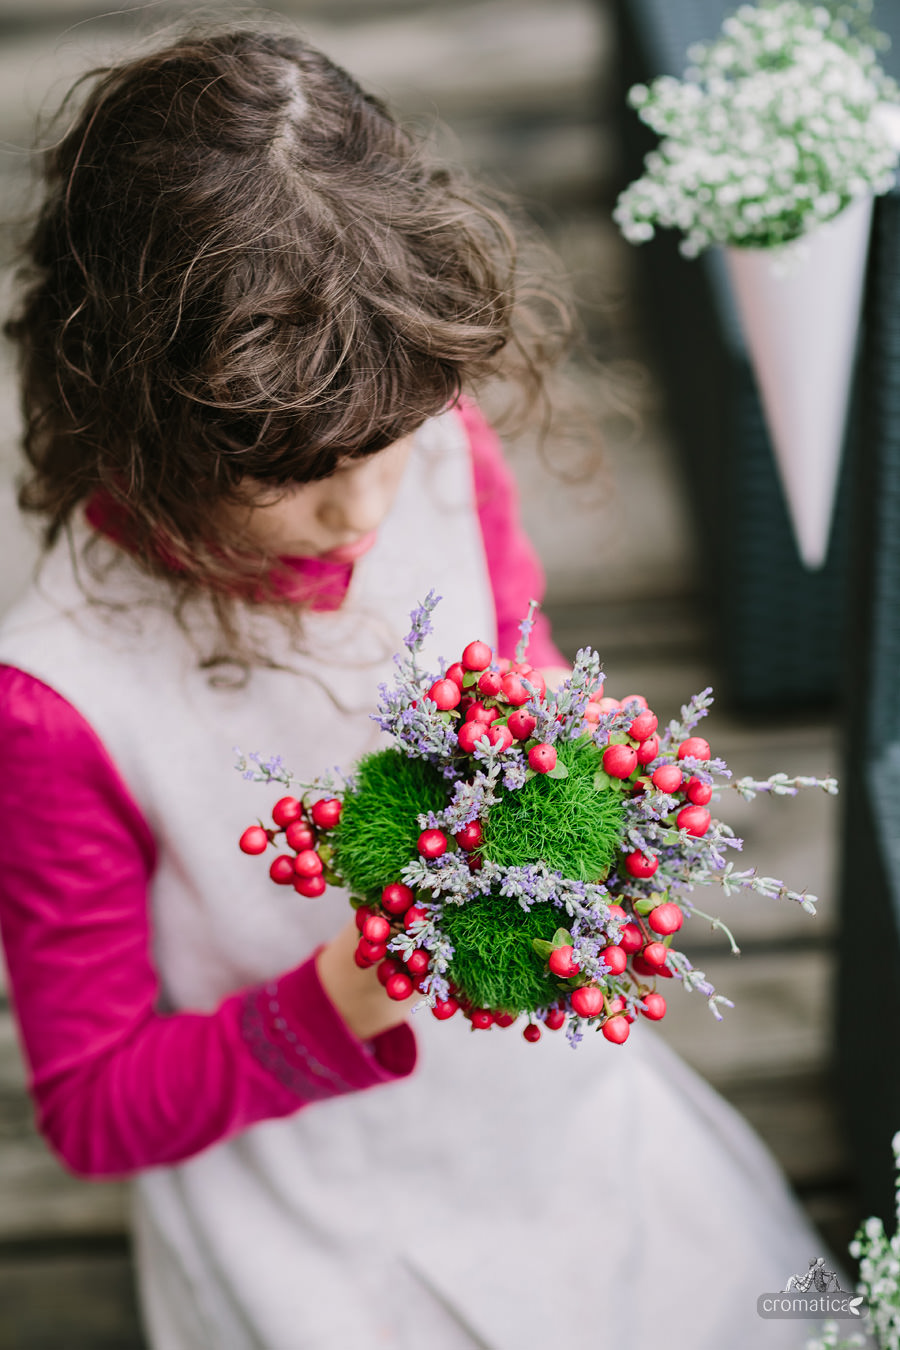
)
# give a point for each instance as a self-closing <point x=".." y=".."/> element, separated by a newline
<point x="800" y="306"/>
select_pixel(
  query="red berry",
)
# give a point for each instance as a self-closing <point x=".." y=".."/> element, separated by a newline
<point x="642" y="967"/>
<point x="648" y="750"/>
<point x="469" y="734"/>
<point x="501" y="737"/>
<point x="432" y="843"/>
<point x="253" y="840"/>
<point x="477" y="712"/>
<point x="555" y="1019"/>
<point x="633" y="698"/>
<point x="286" y="811"/>
<point x="695" y="819"/>
<point x="542" y="758"/>
<point x="562" y="962"/>
<point x="456" y="673"/>
<point x="532" y="1032"/>
<point x="376" y="928"/>
<point x="616" y="911"/>
<point x="398" y="987"/>
<point x="616" y="1029"/>
<point x="616" y="958"/>
<point x="643" y="726"/>
<point x="308" y="863"/>
<point x="641" y="865"/>
<point x="282" y="870"/>
<point x="668" y="778"/>
<point x="299" y="836"/>
<point x="372" y="951"/>
<point x="469" y="836"/>
<point x="699" y="793"/>
<point x="587" y="1000"/>
<point x="535" y="679"/>
<point x="653" y="1006"/>
<point x="444" y="1008"/>
<point x="362" y="960"/>
<point x="445" y="694"/>
<point x="521" y="724"/>
<point x="415" y="914"/>
<point x="665" y="919"/>
<point x="310" y="886"/>
<point x="481" y="1018"/>
<point x="630" y="938"/>
<point x="655" y="954"/>
<point x="619" y="761"/>
<point x="477" y="656"/>
<point x="386" y="969"/>
<point x="475" y="862"/>
<point x="490" y="683"/>
<point x="596" y="696"/>
<point x="592" y="714"/>
<point x="607" y="705"/>
<point x="326" y="813"/>
<point x="362" y="914"/>
<point x="695" y="747"/>
<point x="504" y="1019"/>
<point x="397" y="898"/>
<point x="514" y="690"/>
<point x="418" y="961"/>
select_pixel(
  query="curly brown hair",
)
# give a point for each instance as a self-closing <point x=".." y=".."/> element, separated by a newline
<point x="243" y="271"/>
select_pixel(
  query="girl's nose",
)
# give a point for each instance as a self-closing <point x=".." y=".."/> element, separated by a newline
<point x="354" y="506"/>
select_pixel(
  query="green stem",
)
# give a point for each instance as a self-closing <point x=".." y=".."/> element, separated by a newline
<point x="717" y="923"/>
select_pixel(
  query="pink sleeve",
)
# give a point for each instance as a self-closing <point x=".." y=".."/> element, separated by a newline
<point x="513" y="566"/>
<point x="118" y="1086"/>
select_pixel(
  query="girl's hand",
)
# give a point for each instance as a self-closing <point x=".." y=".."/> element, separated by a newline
<point x="357" y="994"/>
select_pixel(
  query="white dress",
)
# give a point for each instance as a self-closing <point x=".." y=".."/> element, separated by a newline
<point x="506" y="1196"/>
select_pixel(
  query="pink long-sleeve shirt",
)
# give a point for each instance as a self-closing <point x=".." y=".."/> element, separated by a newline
<point x="119" y="1085"/>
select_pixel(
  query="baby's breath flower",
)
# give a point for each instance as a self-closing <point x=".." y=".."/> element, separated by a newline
<point x="778" y="125"/>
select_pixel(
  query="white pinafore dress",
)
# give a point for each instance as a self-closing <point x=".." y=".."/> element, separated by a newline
<point x="506" y="1196"/>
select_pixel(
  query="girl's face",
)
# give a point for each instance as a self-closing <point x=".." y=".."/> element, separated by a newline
<point x="336" y="518"/>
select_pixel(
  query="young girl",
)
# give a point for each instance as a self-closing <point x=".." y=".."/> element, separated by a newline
<point x="251" y="309"/>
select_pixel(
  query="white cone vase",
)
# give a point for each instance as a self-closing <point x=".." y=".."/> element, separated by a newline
<point x="800" y="307"/>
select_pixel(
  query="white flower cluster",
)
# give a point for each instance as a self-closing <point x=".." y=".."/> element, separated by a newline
<point x="778" y="125"/>
<point x="879" y="1272"/>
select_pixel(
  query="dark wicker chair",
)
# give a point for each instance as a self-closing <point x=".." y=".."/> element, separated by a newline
<point x="778" y="628"/>
<point x="868" y="1029"/>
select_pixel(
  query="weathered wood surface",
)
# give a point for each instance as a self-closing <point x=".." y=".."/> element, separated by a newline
<point x="68" y="1301"/>
<point x="467" y="62"/>
<point x="38" y="1198"/>
<point x="778" y="1029"/>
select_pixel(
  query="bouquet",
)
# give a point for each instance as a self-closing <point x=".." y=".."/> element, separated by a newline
<point x="777" y="126"/>
<point x="519" y="851"/>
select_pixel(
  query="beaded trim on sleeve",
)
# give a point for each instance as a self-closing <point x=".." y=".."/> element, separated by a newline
<point x="279" y="1049"/>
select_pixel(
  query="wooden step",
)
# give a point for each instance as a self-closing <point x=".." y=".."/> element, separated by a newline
<point x="778" y="1029"/>
<point x="38" y="1198"/>
<point x="66" y="1299"/>
<point x="493" y="57"/>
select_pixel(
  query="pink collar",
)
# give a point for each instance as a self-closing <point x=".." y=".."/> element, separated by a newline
<point x="320" y="585"/>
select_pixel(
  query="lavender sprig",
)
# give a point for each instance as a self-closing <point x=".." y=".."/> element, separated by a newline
<point x="525" y="628"/>
<point x="780" y="785"/>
